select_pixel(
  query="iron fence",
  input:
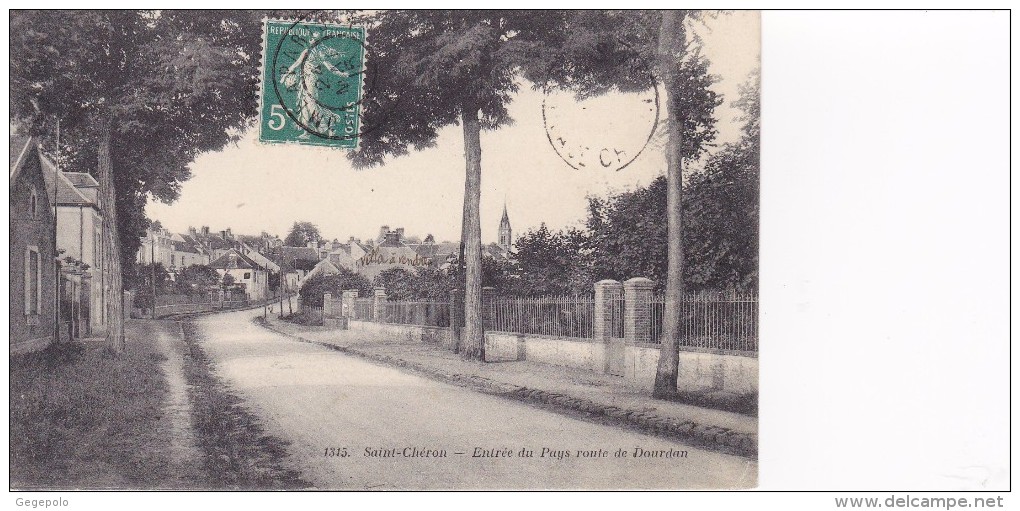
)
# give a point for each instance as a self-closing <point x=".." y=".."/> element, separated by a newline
<point x="563" y="316"/>
<point x="363" y="309"/>
<point x="723" y="321"/>
<point x="417" y="312"/>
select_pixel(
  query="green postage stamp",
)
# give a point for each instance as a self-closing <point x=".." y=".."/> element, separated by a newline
<point x="311" y="83"/>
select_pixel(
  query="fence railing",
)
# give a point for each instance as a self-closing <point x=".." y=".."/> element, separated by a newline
<point x="311" y="314"/>
<point x="564" y="316"/>
<point x="723" y="321"/>
<point x="711" y="321"/>
<point x="363" y="309"/>
<point x="417" y="312"/>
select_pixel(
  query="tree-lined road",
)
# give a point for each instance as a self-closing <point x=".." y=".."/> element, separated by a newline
<point x="322" y="401"/>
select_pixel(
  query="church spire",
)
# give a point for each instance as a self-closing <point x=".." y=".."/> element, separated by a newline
<point x="505" y="232"/>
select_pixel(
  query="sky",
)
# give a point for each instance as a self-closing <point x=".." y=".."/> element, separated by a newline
<point x="250" y="187"/>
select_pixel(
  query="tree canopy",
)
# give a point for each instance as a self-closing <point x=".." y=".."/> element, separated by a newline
<point x="176" y="83"/>
<point x="301" y="233"/>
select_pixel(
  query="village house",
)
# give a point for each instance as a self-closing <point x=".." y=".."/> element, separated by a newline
<point x="85" y="278"/>
<point x="294" y="263"/>
<point x="245" y="272"/>
<point x="174" y="251"/>
<point x="32" y="247"/>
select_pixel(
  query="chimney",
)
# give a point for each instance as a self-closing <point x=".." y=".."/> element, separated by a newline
<point x="382" y="232"/>
<point x="400" y="233"/>
<point x="350" y="240"/>
<point x="223" y="234"/>
<point x="192" y="231"/>
<point x="229" y="234"/>
<point x="392" y="236"/>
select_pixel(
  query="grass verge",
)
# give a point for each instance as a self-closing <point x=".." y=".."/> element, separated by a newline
<point x="238" y="454"/>
<point x="83" y="418"/>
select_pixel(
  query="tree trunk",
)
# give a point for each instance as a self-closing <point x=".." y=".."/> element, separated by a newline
<point x="473" y="336"/>
<point x="671" y="41"/>
<point x="111" y="242"/>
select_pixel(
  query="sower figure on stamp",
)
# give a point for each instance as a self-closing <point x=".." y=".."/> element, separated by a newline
<point x="306" y="77"/>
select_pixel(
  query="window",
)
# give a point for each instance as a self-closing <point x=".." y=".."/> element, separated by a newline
<point x="33" y="204"/>
<point x="33" y="278"/>
<point x="247" y="275"/>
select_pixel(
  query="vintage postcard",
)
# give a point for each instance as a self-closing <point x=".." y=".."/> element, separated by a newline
<point x="384" y="250"/>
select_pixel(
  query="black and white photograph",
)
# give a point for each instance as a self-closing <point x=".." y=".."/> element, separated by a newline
<point x="385" y="250"/>
<point x="431" y="250"/>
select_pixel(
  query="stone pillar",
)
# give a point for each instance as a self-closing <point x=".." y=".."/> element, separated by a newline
<point x="327" y="305"/>
<point x="456" y="315"/>
<point x="607" y="298"/>
<point x="379" y="304"/>
<point x="348" y="298"/>
<point x="637" y="311"/>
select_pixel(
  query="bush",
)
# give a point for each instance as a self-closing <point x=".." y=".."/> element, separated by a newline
<point x="312" y="290"/>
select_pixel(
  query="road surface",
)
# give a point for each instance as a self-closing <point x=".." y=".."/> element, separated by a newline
<point x="352" y="424"/>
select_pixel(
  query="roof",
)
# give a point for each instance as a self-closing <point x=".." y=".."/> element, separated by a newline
<point x="189" y="245"/>
<point x="234" y="260"/>
<point x="67" y="193"/>
<point x="214" y="242"/>
<point x="437" y="250"/>
<point x="495" y="251"/>
<point x="19" y="147"/>
<point x="289" y="254"/>
<point x="81" y="179"/>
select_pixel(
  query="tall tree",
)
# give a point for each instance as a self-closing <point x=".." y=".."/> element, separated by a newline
<point x="139" y="94"/>
<point x="429" y="69"/>
<point x="615" y="50"/>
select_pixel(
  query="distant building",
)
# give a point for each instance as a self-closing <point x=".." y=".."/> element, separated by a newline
<point x="294" y="263"/>
<point x="246" y="272"/>
<point x="505" y="233"/>
<point x="157" y="246"/>
<point x="33" y="275"/>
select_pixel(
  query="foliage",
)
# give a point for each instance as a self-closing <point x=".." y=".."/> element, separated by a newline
<point x="399" y="283"/>
<point x="592" y="53"/>
<point x="551" y="263"/>
<point x="196" y="279"/>
<point x="444" y="59"/>
<point x="228" y="281"/>
<point x="317" y="285"/>
<point x="301" y="233"/>
<point x="139" y="277"/>
<point x="175" y="84"/>
<point x="463" y="66"/>
<point x="625" y="234"/>
<point x="498" y="274"/>
<point x="722" y="208"/>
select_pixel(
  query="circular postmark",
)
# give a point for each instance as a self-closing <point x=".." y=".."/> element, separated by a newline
<point x="607" y="131"/>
